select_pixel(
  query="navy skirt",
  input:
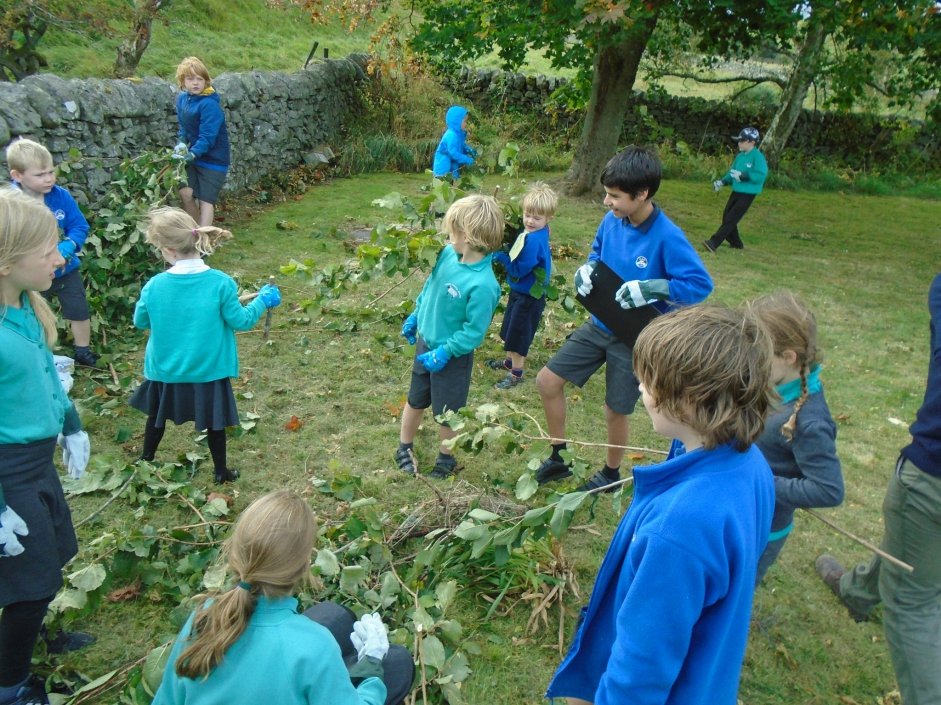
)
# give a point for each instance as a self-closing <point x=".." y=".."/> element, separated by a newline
<point x="209" y="405"/>
<point x="33" y="490"/>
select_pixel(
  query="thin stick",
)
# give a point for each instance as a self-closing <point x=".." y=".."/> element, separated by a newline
<point x="110" y="500"/>
<point x="268" y="314"/>
<point x="878" y="551"/>
<point x="393" y="287"/>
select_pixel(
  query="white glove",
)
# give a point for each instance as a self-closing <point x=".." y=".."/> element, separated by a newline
<point x="76" y="448"/>
<point x="717" y="185"/>
<point x="583" y="283"/>
<point x="735" y="174"/>
<point x="634" y="293"/>
<point x="11" y="526"/>
<point x="65" y="366"/>
<point x="180" y="149"/>
<point x="370" y="637"/>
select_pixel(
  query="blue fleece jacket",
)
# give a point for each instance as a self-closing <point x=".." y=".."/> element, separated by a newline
<point x="202" y="128"/>
<point x="452" y="152"/>
<point x="520" y="272"/>
<point x="456" y="305"/>
<point x="655" y="249"/>
<point x="72" y="224"/>
<point x="193" y="319"/>
<point x="282" y="658"/>
<point x="668" y="618"/>
<point x="925" y="449"/>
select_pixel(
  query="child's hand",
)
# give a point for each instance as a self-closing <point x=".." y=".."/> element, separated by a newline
<point x="370" y="637"/>
<point x="471" y="151"/>
<point x="270" y="296"/>
<point x="735" y="174"/>
<point x="67" y="249"/>
<point x="435" y="360"/>
<point x="501" y="257"/>
<point x="11" y="526"/>
<point x="583" y="283"/>
<point x="180" y="150"/>
<point x="410" y="328"/>
<point x="76" y="449"/>
<point x="717" y="185"/>
<point x="189" y="157"/>
<point x="636" y="293"/>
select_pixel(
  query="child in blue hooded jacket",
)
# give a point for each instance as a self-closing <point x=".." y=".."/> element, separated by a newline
<point x="203" y="141"/>
<point x="452" y="152"/>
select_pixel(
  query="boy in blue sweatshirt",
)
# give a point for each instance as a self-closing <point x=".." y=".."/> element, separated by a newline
<point x="659" y="268"/>
<point x="33" y="172"/>
<point x="453" y="152"/>
<point x="667" y="622"/>
<point x="528" y="267"/>
<point x="451" y="317"/>
<point x="203" y="140"/>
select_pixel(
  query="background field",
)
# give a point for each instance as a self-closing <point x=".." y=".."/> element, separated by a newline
<point x="863" y="263"/>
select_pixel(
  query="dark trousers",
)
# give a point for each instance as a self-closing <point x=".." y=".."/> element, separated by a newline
<point x="398" y="665"/>
<point x="20" y="625"/>
<point x="735" y="209"/>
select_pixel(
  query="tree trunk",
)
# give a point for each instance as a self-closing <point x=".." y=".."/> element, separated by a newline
<point x="798" y="83"/>
<point x="132" y="48"/>
<point x="615" y="68"/>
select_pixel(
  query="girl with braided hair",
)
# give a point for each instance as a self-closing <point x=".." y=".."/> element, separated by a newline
<point x="799" y="440"/>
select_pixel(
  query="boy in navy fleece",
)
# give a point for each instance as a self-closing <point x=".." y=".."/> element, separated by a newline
<point x="667" y="622"/>
<point x="528" y="267"/>
<point x="453" y="152"/>
<point x="659" y="268"/>
<point x="32" y="171"/>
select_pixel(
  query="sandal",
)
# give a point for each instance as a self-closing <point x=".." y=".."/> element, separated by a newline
<point x="405" y="459"/>
<point x="444" y="469"/>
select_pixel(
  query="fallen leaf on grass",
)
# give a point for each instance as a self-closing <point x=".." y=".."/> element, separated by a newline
<point x="636" y="456"/>
<point x="295" y="424"/>
<point x="896" y="422"/>
<point x="128" y="592"/>
<point x="224" y="497"/>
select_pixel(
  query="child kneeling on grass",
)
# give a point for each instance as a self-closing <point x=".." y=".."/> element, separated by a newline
<point x="451" y="317"/>
<point x="668" y="617"/>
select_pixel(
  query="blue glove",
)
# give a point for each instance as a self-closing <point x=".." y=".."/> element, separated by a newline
<point x="636" y="293"/>
<point x="501" y="257"/>
<point x="67" y="249"/>
<point x="410" y="329"/>
<point x="470" y="151"/>
<point x="189" y="157"/>
<point x="270" y="295"/>
<point x="435" y="360"/>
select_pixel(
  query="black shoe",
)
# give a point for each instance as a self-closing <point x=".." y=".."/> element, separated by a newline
<point x="227" y="475"/>
<point x="709" y="246"/>
<point x="552" y="470"/>
<point x="495" y="364"/>
<point x="598" y="480"/>
<point x="64" y="642"/>
<point x="33" y="693"/>
<point x="86" y="358"/>
<point x="444" y="469"/>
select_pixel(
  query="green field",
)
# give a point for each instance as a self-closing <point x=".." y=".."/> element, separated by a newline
<point x="343" y="372"/>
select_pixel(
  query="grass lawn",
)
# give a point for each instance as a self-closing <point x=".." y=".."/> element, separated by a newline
<point x="863" y="263"/>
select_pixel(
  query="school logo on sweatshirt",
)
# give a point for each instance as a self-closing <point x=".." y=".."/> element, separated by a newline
<point x="59" y="214"/>
<point x="453" y="291"/>
<point x="641" y="262"/>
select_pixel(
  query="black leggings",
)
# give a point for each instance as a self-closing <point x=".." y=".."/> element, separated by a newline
<point x="20" y="624"/>
<point x="215" y="439"/>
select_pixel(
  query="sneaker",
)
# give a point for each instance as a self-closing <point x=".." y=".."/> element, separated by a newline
<point x="709" y="246"/>
<point x="63" y="642"/>
<point x="830" y="571"/>
<point x="495" y="364"/>
<point x="444" y="469"/>
<point x="508" y="382"/>
<point x="598" y="480"/>
<point x="405" y="460"/>
<point x="552" y="470"/>
<point x="227" y="475"/>
<point x="33" y="693"/>
<point x="85" y="358"/>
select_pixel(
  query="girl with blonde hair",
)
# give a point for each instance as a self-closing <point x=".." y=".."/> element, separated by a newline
<point x="36" y="534"/>
<point x="249" y="645"/>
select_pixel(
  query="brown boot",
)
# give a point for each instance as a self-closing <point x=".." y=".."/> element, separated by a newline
<point x="830" y="571"/>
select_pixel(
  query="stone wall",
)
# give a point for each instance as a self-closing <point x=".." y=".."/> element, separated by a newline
<point x="858" y="140"/>
<point x="275" y="120"/>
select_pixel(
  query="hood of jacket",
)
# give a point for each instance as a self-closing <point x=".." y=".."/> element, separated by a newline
<point x="454" y="117"/>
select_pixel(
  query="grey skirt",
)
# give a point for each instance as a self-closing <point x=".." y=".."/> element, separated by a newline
<point x="33" y="490"/>
<point x="209" y="405"/>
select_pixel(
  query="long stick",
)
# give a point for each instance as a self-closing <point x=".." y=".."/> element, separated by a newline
<point x="267" y="328"/>
<point x="878" y="551"/>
